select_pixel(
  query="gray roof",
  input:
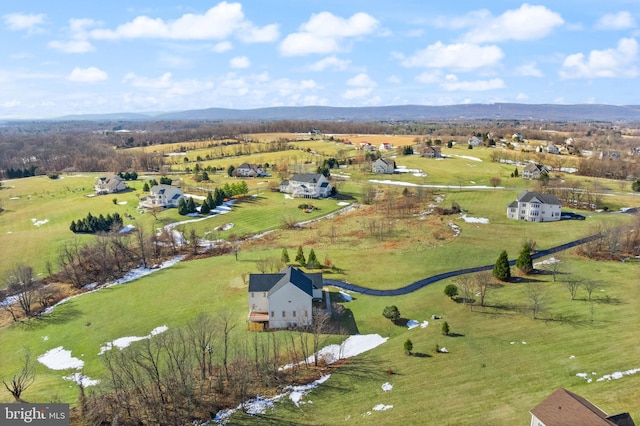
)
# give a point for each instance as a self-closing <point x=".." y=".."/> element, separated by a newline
<point x="273" y="282"/>
<point x="306" y="177"/>
<point x="527" y="197"/>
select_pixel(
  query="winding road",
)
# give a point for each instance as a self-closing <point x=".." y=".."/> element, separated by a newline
<point x="435" y="278"/>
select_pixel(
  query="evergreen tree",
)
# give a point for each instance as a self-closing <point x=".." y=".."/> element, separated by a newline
<point x="218" y="196"/>
<point x="205" y="175"/>
<point x="300" y="257"/>
<point x="73" y="226"/>
<point x="408" y="346"/>
<point x="524" y="262"/>
<point x="211" y="201"/>
<point x="445" y="328"/>
<point x="313" y="260"/>
<point x="182" y="207"/>
<point x="230" y="170"/>
<point x="515" y="172"/>
<point x="501" y="269"/>
<point x="284" y="257"/>
<point x="204" y="208"/>
<point x="191" y="205"/>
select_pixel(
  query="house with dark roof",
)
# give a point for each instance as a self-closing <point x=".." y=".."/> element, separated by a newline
<point x="307" y="185"/>
<point x="535" y="207"/>
<point x="534" y="171"/>
<point x="109" y="184"/>
<point x="249" y="170"/>
<point x="164" y="196"/>
<point x="432" y="151"/>
<point x="564" y="408"/>
<point x="284" y="299"/>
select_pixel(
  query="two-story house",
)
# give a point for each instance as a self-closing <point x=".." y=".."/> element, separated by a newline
<point x="383" y="166"/>
<point x="534" y="171"/>
<point x="284" y="299"/>
<point x="109" y="184"/>
<point x="249" y="170"/>
<point x="164" y="196"/>
<point x="307" y="185"/>
<point x="432" y="152"/>
<point x="535" y="207"/>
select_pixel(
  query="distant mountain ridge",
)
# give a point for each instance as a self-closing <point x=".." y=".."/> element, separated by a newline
<point x="497" y="111"/>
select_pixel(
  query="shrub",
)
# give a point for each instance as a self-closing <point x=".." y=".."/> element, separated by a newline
<point x="391" y="312"/>
<point x="408" y="346"/>
<point x="451" y="290"/>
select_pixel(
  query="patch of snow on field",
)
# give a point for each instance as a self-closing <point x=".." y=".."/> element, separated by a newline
<point x="387" y="387"/>
<point x="14" y="198"/>
<point x="288" y="197"/>
<point x="297" y="392"/>
<point x="382" y="407"/>
<point x="39" y="223"/>
<point x="343" y="203"/>
<point x="455" y="228"/>
<point x="466" y="157"/>
<point x="444" y="350"/>
<point x="124" y="342"/>
<point x="60" y="359"/>
<point x="424" y="324"/>
<point x="127" y="229"/>
<point x="475" y="219"/>
<point x="618" y="375"/>
<point x="549" y="261"/>
<point x="81" y="379"/>
<point x="345" y="296"/>
<point x="122" y="203"/>
<point x="225" y="227"/>
<point x="10" y="300"/>
<point x="412" y="324"/>
<point x="420" y="174"/>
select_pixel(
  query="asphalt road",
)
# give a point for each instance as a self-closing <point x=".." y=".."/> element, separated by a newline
<point x="435" y="278"/>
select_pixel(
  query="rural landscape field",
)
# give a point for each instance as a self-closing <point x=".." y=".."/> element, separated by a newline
<point x="569" y="321"/>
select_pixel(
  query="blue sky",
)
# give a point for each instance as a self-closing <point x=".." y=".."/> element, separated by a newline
<point x="81" y="57"/>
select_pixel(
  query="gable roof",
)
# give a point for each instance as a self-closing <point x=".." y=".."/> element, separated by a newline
<point x="564" y="408"/>
<point x="306" y="177"/>
<point x="273" y="282"/>
<point x="527" y="197"/>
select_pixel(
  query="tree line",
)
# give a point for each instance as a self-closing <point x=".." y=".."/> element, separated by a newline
<point x="92" y="224"/>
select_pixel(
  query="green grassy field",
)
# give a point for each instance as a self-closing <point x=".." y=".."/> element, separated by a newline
<point x="484" y="379"/>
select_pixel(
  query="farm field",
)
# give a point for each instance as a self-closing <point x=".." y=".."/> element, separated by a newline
<point x="500" y="362"/>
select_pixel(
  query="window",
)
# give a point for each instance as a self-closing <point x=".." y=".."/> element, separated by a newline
<point x="252" y="294"/>
<point x="294" y="314"/>
<point x="284" y="314"/>
<point x="264" y="294"/>
<point x="273" y="314"/>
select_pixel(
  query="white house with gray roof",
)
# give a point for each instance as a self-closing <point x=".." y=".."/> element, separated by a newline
<point x="284" y="299"/>
<point x="535" y="207"/>
<point x="307" y="185"/>
<point x="164" y="196"/>
<point x="109" y="184"/>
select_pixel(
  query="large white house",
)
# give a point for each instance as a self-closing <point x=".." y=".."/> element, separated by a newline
<point x="164" y="196"/>
<point x="249" y="170"/>
<point x="383" y="166"/>
<point x="109" y="184"/>
<point x="307" y="185"/>
<point x="284" y="299"/>
<point x="535" y="207"/>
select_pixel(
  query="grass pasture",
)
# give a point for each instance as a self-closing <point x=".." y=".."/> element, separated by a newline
<point x="483" y="379"/>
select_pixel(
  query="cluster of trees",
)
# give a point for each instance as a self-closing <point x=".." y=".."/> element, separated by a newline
<point x="613" y="242"/>
<point x="327" y="165"/>
<point x="187" y="206"/>
<point x="17" y="173"/>
<point x="129" y="175"/>
<point x="470" y="286"/>
<point x="164" y="180"/>
<point x="311" y="263"/>
<point x="92" y="224"/>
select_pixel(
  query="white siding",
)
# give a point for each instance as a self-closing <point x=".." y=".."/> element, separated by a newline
<point x="287" y="300"/>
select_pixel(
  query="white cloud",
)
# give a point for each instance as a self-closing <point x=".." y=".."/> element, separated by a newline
<point x="522" y="96"/>
<point x="166" y="86"/>
<point x="616" y="62"/>
<point x="429" y="77"/>
<point x="87" y="75"/>
<point x="223" y="46"/>
<point x="361" y="80"/>
<point x="330" y="62"/>
<point x="451" y="84"/>
<point x="162" y="82"/>
<point x="394" y="79"/>
<point x="462" y="56"/>
<point x="217" y="23"/>
<point x="471" y="19"/>
<point x="72" y="46"/>
<point x="358" y="92"/>
<point x="10" y="104"/>
<point x="324" y="32"/>
<point x="240" y="62"/>
<point x="529" y="22"/>
<point x="616" y="21"/>
<point x="22" y="21"/>
<point x="528" y="70"/>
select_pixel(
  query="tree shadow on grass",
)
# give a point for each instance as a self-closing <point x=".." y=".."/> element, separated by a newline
<point x="420" y="355"/>
<point x="60" y="315"/>
<point x="524" y="280"/>
<point x="455" y="335"/>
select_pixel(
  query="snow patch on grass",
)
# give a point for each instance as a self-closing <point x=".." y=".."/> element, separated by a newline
<point x="124" y="342"/>
<point x="387" y="387"/>
<point x="60" y="359"/>
<point x="39" y="223"/>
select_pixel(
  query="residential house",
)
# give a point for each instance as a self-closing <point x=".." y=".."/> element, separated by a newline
<point x="534" y="171"/>
<point x="109" y="184"/>
<point x="307" y="185"/>
<point x="366" y="146"/>
<point x="535" y="207"/>
<point x="164" y="196"/>
<point x="517" y="137"/>
<point x="284" y="299"/>
<point x="385" y="146"/>
<point x="432" y="152"/>
<point x="474" y="141"/>
<point x="249" y="170"/>
<point x="611" y="155"/>
<point x="553" y="149"/>
<point x="564" y="408"/>
<point x="383" y="166"/>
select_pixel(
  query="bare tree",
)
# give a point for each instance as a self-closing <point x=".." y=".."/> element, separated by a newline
<point x="21" y="381"/>
<point x="555" y="269"/>
<point x="482" y="282"/>
<point x="226" y="325"/>
<point x="572" y="284"/>
<point x="21" y="281"/>
<point x="537" y="299"/>
<point x="319" y="322"/>
<point x="589" y="286"/>
<point x="495" y="181"/>
<point x="201" y="334"/>
<point x="465" y="285"/>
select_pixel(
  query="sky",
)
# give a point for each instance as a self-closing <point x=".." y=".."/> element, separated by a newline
<point x="89" y="57"/>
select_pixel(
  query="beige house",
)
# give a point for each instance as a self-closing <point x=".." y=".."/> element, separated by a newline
<point x="164" y="196"/>
<point x="307" y="185"/>
<point x="284" y="299"/>
<point x="432" y="152"/>
<point x="383" y="166"/>
<point x="534" y="171"/>
<point x="249" y="170"/>
<point x="564" y="408"/>
<point x="109" y="184"/>
<point x="535" y="207"/>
